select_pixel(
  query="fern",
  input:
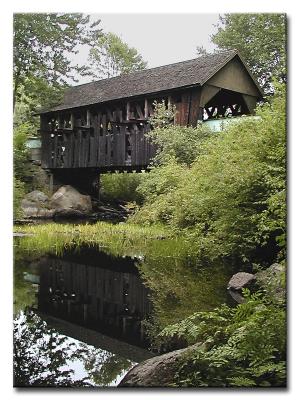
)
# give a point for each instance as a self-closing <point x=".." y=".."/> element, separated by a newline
<point x="238" y="347"/>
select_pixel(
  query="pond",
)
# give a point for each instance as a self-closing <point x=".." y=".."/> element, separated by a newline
<point x="86" y="314"/>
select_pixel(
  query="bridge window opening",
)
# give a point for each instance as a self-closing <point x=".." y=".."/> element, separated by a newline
<point x="83" y="119"/>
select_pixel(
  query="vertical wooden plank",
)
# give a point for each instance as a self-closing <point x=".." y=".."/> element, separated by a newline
<point x="146" y="109"/>
<point x="133" y="145"/>
<point x="55" y="162"/>
<point x="72" y="121"/>
<point x="185" y="108"/>
<point x="146" y="146"/>
<point x="79" y="147"/>
<point x="115" y="143"/>
<point x="95" y="146"/>
<point x="87" y="148"/>
<point x="76" y="149"/>
<point x="108" y="149"/>
<point x="138" y="147"/>
<point x="71" y="153"/>
<point x="142" y="145"/>
<point x="88" y="118"/>
<point x="194" y="110"/>
<point x="123" y="144"/>
<point x="127" y="111"/>
<point x="66" y="149"/>
<point x="102" y="151"/>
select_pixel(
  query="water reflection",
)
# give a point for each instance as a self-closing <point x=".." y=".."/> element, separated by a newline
<point x="95" y="290"/>
<point x="98" y="305"/>
<point x="78" y="318"/>
<point x="45" y="358"/>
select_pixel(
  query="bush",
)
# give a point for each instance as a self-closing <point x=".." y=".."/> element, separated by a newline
<point x="22" y="165"/>
<point x="18" y="194"/>
<point x="238" y="347"/>
<point x="232" y="199"/>
<point x="174" y="141"/>
<point x="157" y="188"/>
<point x="121" y="186"/>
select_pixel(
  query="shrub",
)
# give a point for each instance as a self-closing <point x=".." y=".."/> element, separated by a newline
<point x="240" y="347"/>
<point x="232" y="199"/>
<point x="121" y="186"/>
<point x="18" y="194"/>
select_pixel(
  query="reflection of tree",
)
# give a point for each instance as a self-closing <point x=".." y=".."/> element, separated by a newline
<point x="24" y="294"/>
<point x="105" y="367"/>
<point x="41" y="354"/>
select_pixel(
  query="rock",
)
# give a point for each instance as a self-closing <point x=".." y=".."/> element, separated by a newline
<point x="37" y="197"/>
<point x="36" y="205"/>
<point x="237" y="296"/>
<point x="272" y="280"/>
<point x="157" y="371"/>
<point x="241" y="280"/>
<point x="68" y="200"/>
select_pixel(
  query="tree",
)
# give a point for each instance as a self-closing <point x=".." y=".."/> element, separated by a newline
<point x="43" y="44"/>
<point x="111" y="57"/>
<point x="261" y="41"/>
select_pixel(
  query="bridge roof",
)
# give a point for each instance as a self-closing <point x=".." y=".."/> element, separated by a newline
<point x="149" y="81"/>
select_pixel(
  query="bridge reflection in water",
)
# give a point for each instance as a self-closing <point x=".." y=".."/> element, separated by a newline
<point x="97" y="291"/>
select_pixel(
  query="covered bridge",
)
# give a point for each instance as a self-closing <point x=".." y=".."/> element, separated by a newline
<point x="101" y="126"/>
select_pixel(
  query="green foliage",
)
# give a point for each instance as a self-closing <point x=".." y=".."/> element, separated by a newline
<point x="163" y="115"/>
<point x="110" y="56"/>
<point x="261" y="41"/>
<point x="22" y="167"/>
<point x="240" y="347"/>
<point x="121" y="186"/>
<point x="174" y="141"/>
<point x="18" y="194"/>
<point x="43" y="44"/>
<point x="157" y="189"/>
<point x="232" y="199"/>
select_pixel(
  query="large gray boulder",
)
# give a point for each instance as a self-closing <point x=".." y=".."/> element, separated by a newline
<point x="37" y="197"/>
<point x="273" y="281"/>
<point x="157" y="371"/>
<point x="67" y="200"/>
<point x="241" y="280"/>
<point x="36" y="205"/>
<point x="238" y="282"/>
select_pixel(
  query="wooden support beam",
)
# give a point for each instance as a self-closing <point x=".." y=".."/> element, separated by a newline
<point x="146" y="109"/>
<point x="88" y="118"/>
<point x="150" y="108"/>
<point x="72" y="121"/>
<point x="128" y="111"/>
<point x="139" y="111"/>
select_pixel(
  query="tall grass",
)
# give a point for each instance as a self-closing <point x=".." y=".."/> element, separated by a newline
<point x="121" y="239"/>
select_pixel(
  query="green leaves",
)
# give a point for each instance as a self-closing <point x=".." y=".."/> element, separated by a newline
<point x="43" y="44"/>
<point x="260" y="40"/>
<point x="225" y="191"/>
<point x="237" y="347"/>
<point x="110" y="56"/>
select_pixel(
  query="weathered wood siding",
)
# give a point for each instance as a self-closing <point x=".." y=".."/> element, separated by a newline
<point x="83" y="147"/>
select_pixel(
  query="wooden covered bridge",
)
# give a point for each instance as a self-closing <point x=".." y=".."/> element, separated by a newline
<point x="101" y="126"/>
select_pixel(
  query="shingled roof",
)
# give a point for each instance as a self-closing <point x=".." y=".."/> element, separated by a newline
<point x="153" y="80"/>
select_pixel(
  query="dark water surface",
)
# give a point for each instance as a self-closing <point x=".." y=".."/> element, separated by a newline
<point x="80" y="316"/>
